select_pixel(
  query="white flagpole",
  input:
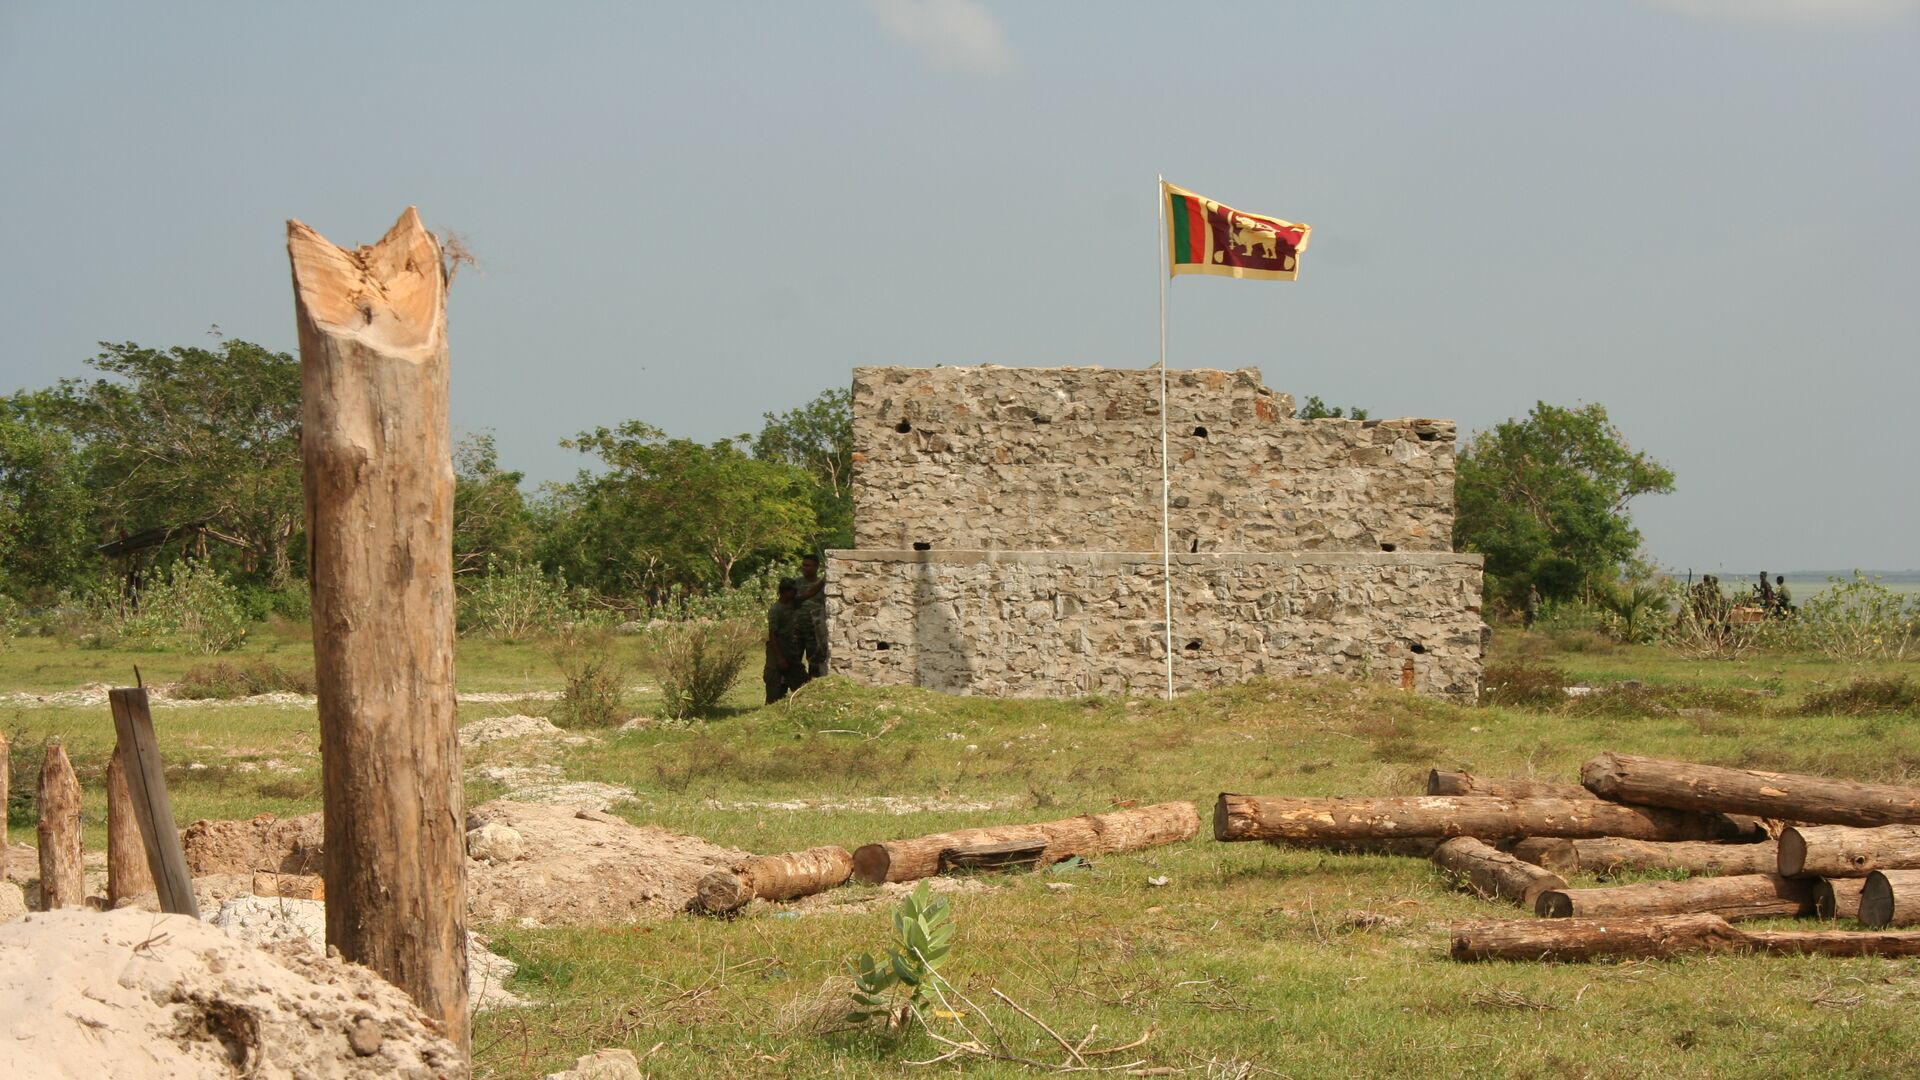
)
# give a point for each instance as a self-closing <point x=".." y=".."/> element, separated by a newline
<point x="1166" y="528"/>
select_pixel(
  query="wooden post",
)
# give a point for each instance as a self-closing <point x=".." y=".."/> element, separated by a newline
<point x="62" y="881"/>
<point x="1683" y="785"/>
<point x="1258" y="817"/>
<point x="378" y="473"/>
<point x="152" y="809"/>
<point x="127" y="870"/>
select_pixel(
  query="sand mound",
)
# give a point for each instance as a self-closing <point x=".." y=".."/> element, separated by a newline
<point x="131" y="994"/>
<point x="583" y="867"/>
<point x="282" y="845"/>
<point x="497" y="728"/>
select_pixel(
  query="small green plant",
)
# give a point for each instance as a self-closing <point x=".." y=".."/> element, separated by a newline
<point x="1634" y="610"/>
<point x="514" y="602"/>
<point x="894" y="987"/>
<point x="593" y="675"/>
<point x="699" y="662"/>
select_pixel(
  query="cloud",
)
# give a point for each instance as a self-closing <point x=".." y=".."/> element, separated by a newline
<point x="953" y="33"/>
<point x="1802" y="11"/>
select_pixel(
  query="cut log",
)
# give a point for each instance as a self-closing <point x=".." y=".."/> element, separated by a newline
<point x="1837" y="898"/>
<point x="1610" y="855"/>
<point x="1090" y="834"/>
<point x="1011" y="855"/>
<point x="1681" y="785"/>
<point x="127" y="871"/>
<point x="1890" y="898"/>
<point x="1656" y="936"/>
<point x="378" y="477"/>
<point x="62" y="878"/>
<point x="785" y="876"/>
<point x="1444" y="782"/>
<point x="1842" y="851"/>
<point x="1745" y="896"/>
<point x="1493" y="874"/>
<point x="1255" y="817"/>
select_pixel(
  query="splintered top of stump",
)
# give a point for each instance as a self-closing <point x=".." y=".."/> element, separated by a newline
<point x="390" y="294"/>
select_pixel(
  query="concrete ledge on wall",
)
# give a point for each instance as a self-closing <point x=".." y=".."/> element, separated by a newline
<point x="1180" y="559"/>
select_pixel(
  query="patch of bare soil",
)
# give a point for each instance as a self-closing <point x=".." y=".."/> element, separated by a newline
<point x="497" y="728"/>
<point x="127" y="993"/>
<point x="584" y="867"/>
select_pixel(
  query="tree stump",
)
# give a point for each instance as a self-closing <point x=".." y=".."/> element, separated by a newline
<point x="378" y="474"/>
<point x="62" y="878"/>
<point x="127" y="872"/>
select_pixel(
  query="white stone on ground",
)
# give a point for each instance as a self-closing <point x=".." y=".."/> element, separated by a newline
<point x="603" y="1065"/>
<point x="497" y="728"/>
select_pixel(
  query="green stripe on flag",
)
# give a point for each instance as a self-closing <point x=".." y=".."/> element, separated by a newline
<point x="1182" y="238"/>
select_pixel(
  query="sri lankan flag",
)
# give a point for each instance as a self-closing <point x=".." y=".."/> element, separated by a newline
<point x="1205" y="237"/>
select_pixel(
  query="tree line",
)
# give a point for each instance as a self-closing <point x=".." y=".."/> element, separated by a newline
<point x="192" y="453"/>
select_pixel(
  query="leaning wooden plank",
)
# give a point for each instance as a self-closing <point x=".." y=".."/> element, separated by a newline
<point x="1744" y="896"/>
<point x="1610" y="855"/>
<point x="62" y="879"/>
<point x="786" y="876"/>
<point x="1890" y="898"/>
<point x="1657" y="936"/>
<point x="1256" y="817"/>
<point x="152" y="809"/>
<point x="1446" y="782"/>
<point x="1682" y="785"/>
<point x="377" y="470"/>
<point x="1837" y="898"/>
<point x="1843" y="851"/>
<point x="1091" y="834"/>
<point x="1493" y="874"/>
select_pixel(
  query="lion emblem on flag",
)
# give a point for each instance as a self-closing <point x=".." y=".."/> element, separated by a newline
<point x="1249" y="234"/>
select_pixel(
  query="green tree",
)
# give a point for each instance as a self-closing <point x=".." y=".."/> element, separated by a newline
<point x="672" y="513"/>
<point x="188" y="434"/>
<point x="818" y="438"/>
<point x="1315" y="409"/>
<point x="1545" y="500"/>
<point x="491" y="523"/>
<point x="46" y="539"/>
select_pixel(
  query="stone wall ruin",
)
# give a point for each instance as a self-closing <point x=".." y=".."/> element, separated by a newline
<point x="1008" y="532"/>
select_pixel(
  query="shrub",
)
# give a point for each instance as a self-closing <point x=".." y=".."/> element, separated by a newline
<point x="593" y="676"/>
<point x="1524" y="683"/>
<point x="698" y="662"/>
<point x="10" y="619"/>
<point x="221" y="680"/>
<point x="23" y="780"/>
<point x="1634" y="611"/>
<point x="748" y="600"/>
<point x="923" y="937"/>
<point x="1864" y="695"/>
<point x="514" y="602"/>
<point x="1858" y="619"/>
<point x="194" y="605"/>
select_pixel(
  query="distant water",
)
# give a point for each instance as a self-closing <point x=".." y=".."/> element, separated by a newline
<point x="1805" y="583"/>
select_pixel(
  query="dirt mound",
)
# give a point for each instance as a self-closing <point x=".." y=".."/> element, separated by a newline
<point x="127" y="993"/>
<point x="497" y="728"/>
<point x="582" y="867"/>
<point x="282" y="845"/>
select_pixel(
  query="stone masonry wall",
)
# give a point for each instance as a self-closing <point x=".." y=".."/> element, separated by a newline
<point x="1029" y="459"/>
<point x="1056" y="624"/>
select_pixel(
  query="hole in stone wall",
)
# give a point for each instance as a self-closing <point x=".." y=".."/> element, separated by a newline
<point x="883" y="645"/>
<point x="903" y="427"/>
<point x="1386" y="547"/>
<point x="922" y="545"/>
<point x="1193" y="646"/>
<point x="1417" y="647"/>
<point x="1195" y="549"/>
<point x="1199" y="433"/>
<point x="1429" y="436"/>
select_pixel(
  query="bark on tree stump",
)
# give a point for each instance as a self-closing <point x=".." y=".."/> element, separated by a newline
<point x="378" y="475"/>
<point x="127" y="872"/>
<point x="1493" y="874"/>
<point x="1746" y="896"/>
<point x="786" y="876"/>
<point x="1255" y="817"/>
<point x="1843" y="851"/>
<point x="1658" y="936"/>
<point x="1890" y="898"/>
<point x="1837" y="898"/>
<point x="1683" y="785"/>
<point x="62" y="878"/>
<point x="1610" y="855"/>
<point x="1091" y="834"/>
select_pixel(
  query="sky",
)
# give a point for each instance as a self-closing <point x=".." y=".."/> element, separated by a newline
<point x="1702" y="214"/>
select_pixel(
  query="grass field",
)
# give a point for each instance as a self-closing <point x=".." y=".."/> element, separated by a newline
<point x="1249" y="961"/>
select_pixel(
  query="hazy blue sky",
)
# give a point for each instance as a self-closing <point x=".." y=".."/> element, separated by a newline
<point x="1704" y="214"/>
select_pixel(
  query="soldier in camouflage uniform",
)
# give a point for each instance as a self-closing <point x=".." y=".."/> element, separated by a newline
<point x="786" y="669"/>
<point x="813" y="609"/>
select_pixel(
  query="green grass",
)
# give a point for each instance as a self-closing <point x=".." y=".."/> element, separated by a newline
<point x="1251" y="961"/>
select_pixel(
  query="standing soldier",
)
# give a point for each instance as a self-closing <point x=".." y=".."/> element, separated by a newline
<point x="786" y="669"/>
<point x="1532" y="610"/>
<point x="1782" y="599"/>
<point x="813" y="611"/>
<point x="1766" y="593"/>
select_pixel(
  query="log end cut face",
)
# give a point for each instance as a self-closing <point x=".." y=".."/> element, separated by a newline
<point x="391" y="293"/>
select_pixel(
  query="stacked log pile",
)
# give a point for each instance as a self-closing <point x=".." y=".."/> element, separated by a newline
<point x="1753" y="845"/>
